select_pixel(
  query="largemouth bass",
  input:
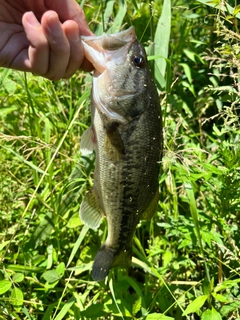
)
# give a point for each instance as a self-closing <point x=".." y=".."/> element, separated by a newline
<point x="126" y="135"/>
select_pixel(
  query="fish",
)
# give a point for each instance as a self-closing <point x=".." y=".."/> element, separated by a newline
<point x="126" y="136"/>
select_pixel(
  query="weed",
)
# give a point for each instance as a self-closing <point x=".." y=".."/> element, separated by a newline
<point x="186" y="260"/>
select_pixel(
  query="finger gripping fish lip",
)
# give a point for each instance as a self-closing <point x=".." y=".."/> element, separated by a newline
<point x="100" y="50"/>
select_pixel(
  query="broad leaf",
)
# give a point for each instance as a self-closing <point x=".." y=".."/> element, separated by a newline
<point x="5" y="285"/>
<point x="51" y="276"/>
<point x="195" y="305"/>
<point x="211" y="315"/>
<point x="17" y="298"/>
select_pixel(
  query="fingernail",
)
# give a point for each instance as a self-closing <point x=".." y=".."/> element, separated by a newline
<point x="73" y="35"/>
<point x="31" y="19"/>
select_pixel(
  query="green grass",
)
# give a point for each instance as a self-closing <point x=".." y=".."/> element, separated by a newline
<point x="186" y="261"/>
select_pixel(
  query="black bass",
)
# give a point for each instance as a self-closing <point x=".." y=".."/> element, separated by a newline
<point x="126" y="135"/>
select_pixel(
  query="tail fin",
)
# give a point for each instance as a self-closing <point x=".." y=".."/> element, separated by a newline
<point x="107" y="258"/>
<point x="102" y="263"/>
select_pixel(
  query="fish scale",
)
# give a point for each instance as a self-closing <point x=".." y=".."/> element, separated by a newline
<point x="126" y="135"/>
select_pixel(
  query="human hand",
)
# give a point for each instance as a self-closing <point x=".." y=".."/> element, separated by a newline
<point x="43" y="37"/>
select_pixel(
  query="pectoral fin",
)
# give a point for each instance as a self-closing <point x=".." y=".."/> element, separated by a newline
<point x="152" y="208"/>
<point x="90" y="213"/>
<point x="88" y="141"/>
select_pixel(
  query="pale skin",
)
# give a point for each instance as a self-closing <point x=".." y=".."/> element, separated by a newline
<point x="43" y="37"/>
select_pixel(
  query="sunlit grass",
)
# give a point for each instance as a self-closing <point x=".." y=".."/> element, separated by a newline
<point x="186" y="260"/>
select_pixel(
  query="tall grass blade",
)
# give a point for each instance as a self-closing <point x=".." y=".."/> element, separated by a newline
<point x="66" y="307"/>
<point x="157" y="274"/>
<point x="161" y="41"/>
<point x="119" y="18"/>
<point x="194" y="213"/>
<point x="77" y="244"/>
<point x="26" y="269"/>
<point x="22" y="159"/>
<point x="48" y="312"/>
<point x="4" y="75"/>
<point x="25" y="311"/>
<point x="135" y="286"/>
<point x="106" y="17"/>
<point x="114" y="298"/>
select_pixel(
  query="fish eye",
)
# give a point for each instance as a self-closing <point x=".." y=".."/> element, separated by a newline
<point x="138" y="60"/>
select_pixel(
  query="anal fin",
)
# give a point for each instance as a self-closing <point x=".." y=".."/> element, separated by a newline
<point x="90" y="213"/>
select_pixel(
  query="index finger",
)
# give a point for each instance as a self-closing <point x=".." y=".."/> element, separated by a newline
<point x="70" y="10"/>
<point x="38" y="51"/>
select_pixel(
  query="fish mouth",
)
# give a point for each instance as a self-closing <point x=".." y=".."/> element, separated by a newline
<point x="105" y="52"/>
<point x="99" y="50"/>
